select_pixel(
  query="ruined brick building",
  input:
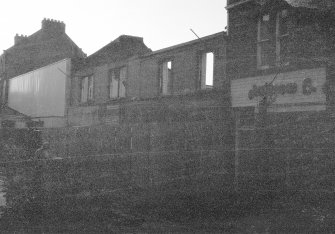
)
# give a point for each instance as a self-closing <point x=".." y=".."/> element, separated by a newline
<point x="262" y="106"/>
<point x="152" y="100"/>
<point x="281" y="70"/>
<point x="169" y="106"/>
<point x="125" y="98"/>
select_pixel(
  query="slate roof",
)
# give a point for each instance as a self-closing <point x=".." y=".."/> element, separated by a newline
<point x="47" y="45"/>
<point x="41" y="36"/>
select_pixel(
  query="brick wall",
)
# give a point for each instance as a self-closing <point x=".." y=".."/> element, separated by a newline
<point x="185" y="66"/>
<point x="242" y="49"/>
<point x="143" y="71"/>
<point x="281" y="145"/>
<point x="134" y="74"/>
<point x="157" y="151"/>
<point x="310" y="43"/>
<point x="143" y="75"/>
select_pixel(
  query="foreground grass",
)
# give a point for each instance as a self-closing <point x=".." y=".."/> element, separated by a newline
<point x="180" y="212"/>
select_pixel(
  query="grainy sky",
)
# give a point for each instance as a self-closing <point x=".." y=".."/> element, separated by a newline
<point x="94" y="23"/>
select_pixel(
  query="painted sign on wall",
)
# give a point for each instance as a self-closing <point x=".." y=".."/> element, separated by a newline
<point x="292" y="91"/>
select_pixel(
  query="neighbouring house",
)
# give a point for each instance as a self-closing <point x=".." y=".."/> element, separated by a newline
<point x="26" y="65"/>
<point x="48" y="45"/>
<point x="35" y="76"/>
<point x="281" y="68"/>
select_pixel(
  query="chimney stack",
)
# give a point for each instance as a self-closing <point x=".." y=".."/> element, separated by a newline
<point x="19" y="39"/>
<point x="53" y="26"/>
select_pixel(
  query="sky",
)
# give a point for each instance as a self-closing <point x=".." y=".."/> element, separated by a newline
<point x="93" y="24"/>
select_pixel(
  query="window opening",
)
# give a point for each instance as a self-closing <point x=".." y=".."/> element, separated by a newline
<point x="282" y="38"/>
<point x="84" y="86"/>
<point x="166" y="78"/>
<point x="87" y="89"/>
<point x="272" y="40"/>
<point x="117" y="83"/>
<point x="265" y="47"/>
<point x="90" y="88"/>
<point x="207" y="70"/>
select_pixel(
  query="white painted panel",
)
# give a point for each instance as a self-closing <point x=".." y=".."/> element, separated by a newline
<point x="241" y="87"/>
<point x="40" y="93"/>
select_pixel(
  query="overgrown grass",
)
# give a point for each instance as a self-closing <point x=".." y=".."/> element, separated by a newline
<point x="98" y="196"/>
<point x="152" y="209"/>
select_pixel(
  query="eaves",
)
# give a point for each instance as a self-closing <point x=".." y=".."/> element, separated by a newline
<point x="237" y="4"/>
<point x="202" y="41"/>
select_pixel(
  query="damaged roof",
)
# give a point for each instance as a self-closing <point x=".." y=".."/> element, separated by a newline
<point x="123" y="47"/>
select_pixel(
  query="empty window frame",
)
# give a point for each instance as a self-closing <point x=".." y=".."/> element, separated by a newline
<point x="282" y="38"/>
<point x="165" y="81"/>
<point x="87" y="89"/>
<point x="272" y="40"/>
<point x="265" y="48"/>
<point x="117" y="83"/>
<point x="206" y="70"/>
